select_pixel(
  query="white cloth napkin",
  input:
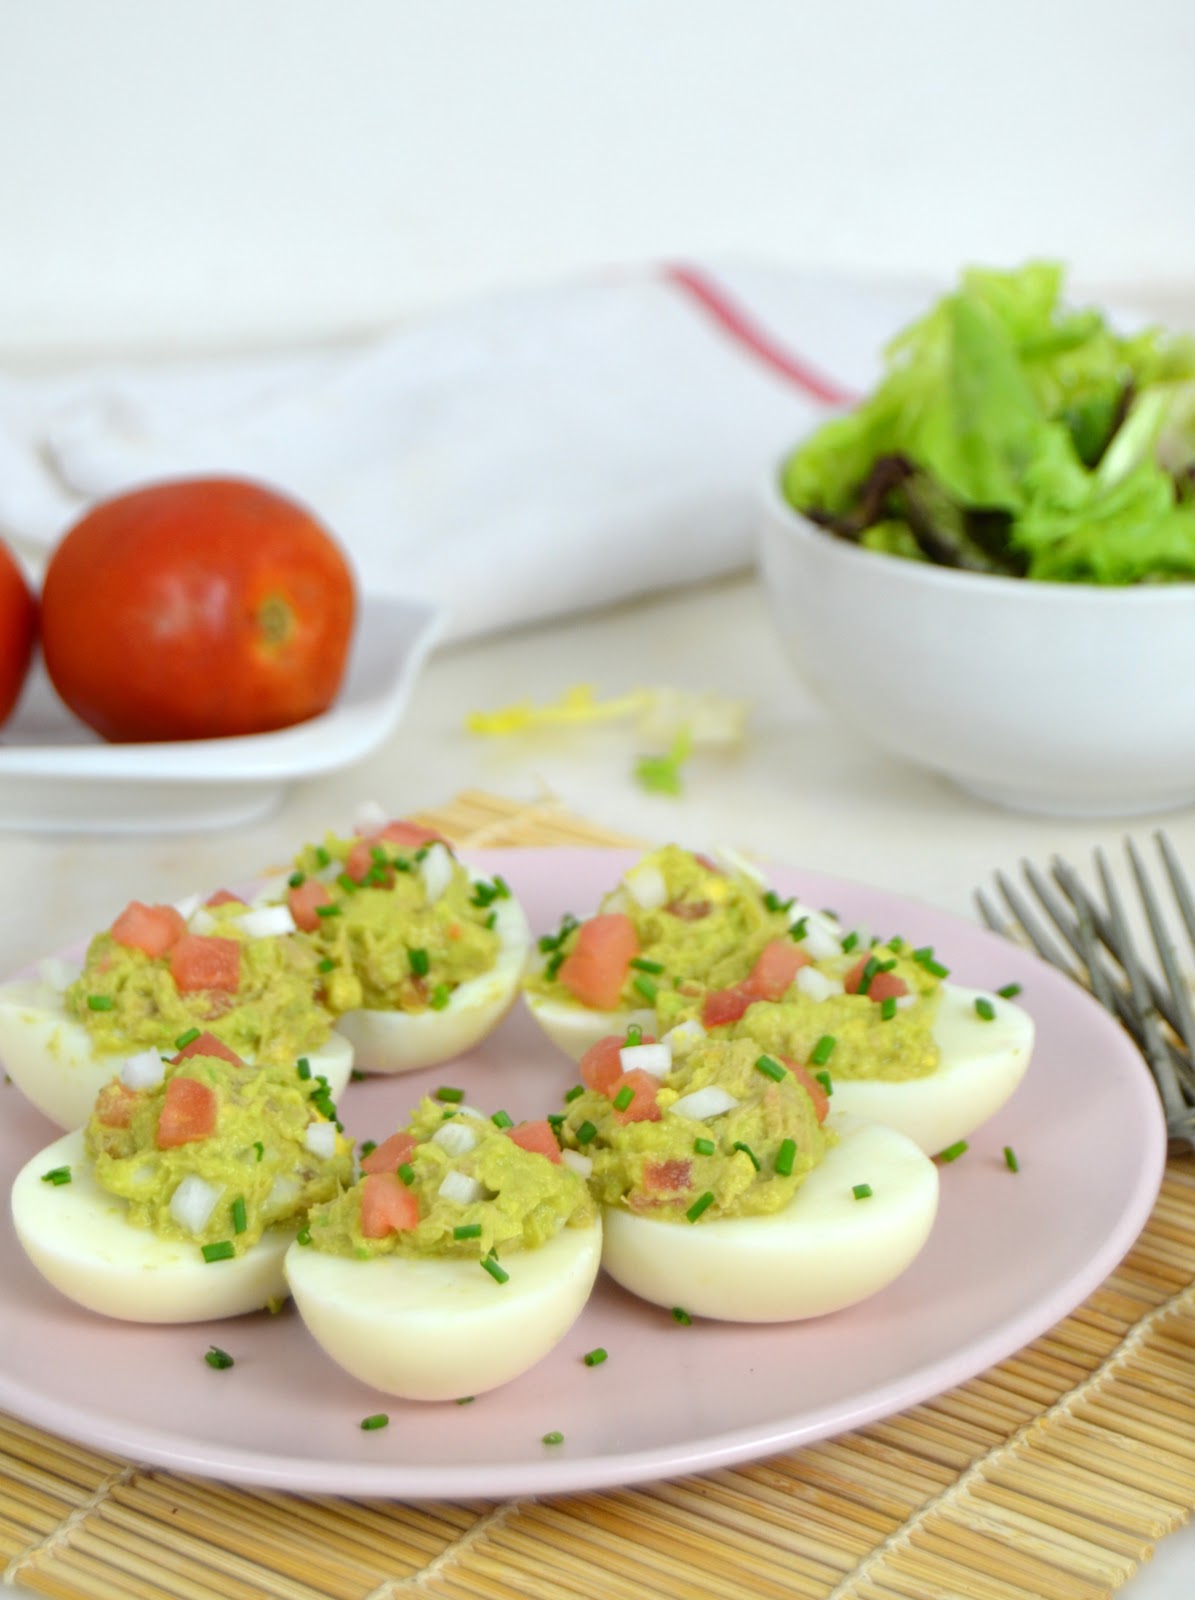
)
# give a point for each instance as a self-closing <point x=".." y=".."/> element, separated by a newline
<point x="511" y="459"/>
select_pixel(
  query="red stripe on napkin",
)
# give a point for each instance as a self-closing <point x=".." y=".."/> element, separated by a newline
<point x="735" y="321"/>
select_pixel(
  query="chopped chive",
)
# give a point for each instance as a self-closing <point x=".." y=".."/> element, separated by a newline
<point x="322" y="857"/>
<point x="555" y="1437"/>
<point x="326" y="965"/>
<point x="450" y="1095"/>
<point x="260" y="1148"/>
<point x="555" y="1121"/>
<point x="407" y="1173"/>
<point x="217" y="1358"/>
<point x="586" y="1133"/>
<point x="1009" y="991"/>
<point x="896" y="942"/>
<point x="100" y="1002"/>
<point x="303" y="1068"/>
<point x="499" y="1274"/>
<point x="646" y="987"/>
<point x="936" y="969"/>
<point x="634" y="1033"/>
<point x="700" y="1205"/>
<point x="577" y="1089"/>
<point x="823" y="1050"/>
<point x="304" y="1235"/>
<point x="861" y="1191"/>
<point x="420" y="961"/>
<point x="1010" y="1159"/>
<point x="594" y="1358"/>
<point x="679" y="1314"/>
<point x="849" y="943"/>
<point x="553" y="964"/>
<point x="328" y="911"/>
<point x="774" y="903"/>
<point x="421" y="853"/>
<point x="466" y="1400"/>
<point x="57" y="1176"/>
<point x="184" y="1039"/>
<point x="887" y="1008"/>
<point x="239" y="1219"/>
<point x="467" y="1230"/>
<point x="502" y="1119"/>
<point x="953" y="1151"/>
<point x="356" y="1075"/>
<point x="368" y="1146"/>
<point x="826" y="1081"/>
<point x="222" y="1250"/>
<point x="297" y="880"/>
<point x="785" y="1157"/>
<point x="501" y="887"/>
<point x="489" y="923"/>
<point x="400" y="863"/>
<point x="770" y="1068"/>
<point x="440" y="996"/>
<point x="748" y="1152"/>
<point x="349" y="885"/>
<point x="642" y="964"/>
<point x="799" y="929"/>
<point x="984" y="1009"/>
<point x="870" y="967"/>
<point x="704" y="1147"/>
<point x="624" y="1097"/>
<point x="923" y="953"/>
<point x="372" y="1424"/>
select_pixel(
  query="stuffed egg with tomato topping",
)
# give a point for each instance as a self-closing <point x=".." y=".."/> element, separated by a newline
<point x="676" y="923"/>
<point x="462" y="1256"/>
<point x="157" y="977"/>
<point x="727" y="1189"/>
<point x="419" y="957"/>
<point x="178" y="1200"/>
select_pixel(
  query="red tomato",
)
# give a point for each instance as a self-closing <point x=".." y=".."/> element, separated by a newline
<point x="775" y="968"/>
<point x="667" y="1177"/>
<point x="154" y="929"/>
<point x="18" y="630"/>
<point x="390" y="1154"/>
<point x="644" y="1089"/>
<point x="208" y="1045"/>
<point x="538" y="1138"/>
<point x="303" y="901"/>
<point x="188" y="1113"/>
<point x="387" y="1205"/>
<point x="197" y="609"/>
<point x="601" y="1065"/>
<point x="595" y="969"/>
<point x="199" y="962"/>
<point x="224" y="897"/>
<point x="812" y="1086"/>
<point x="883" y="986"/>
<point x="722" y="1006"/>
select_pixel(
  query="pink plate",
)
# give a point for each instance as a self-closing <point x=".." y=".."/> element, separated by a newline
<point x="1010" y="1254"/>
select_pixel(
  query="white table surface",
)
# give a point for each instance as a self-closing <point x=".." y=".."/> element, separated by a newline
<point x="801" y="790"/>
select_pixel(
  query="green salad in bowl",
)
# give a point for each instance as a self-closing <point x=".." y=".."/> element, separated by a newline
<point x="1013" y="434"/>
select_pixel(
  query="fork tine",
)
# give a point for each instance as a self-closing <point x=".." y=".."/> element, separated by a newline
<point x="1184" y="1020"/>
<point x="1033" y="931"/>
<point x="1109" y="994"/>
<point x="992" y="917"/>
<point x="1178" y="884"/>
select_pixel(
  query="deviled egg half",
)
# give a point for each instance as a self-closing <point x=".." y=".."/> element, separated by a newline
<point x="460" y="1258"/>
<point x="729" y="1192"/>
<point x="159" y="976"/>
<point x="419" y="958"/>
<point x="177" y="1201"/>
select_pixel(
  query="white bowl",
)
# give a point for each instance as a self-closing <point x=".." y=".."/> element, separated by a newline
<point x="1069" y="699"/>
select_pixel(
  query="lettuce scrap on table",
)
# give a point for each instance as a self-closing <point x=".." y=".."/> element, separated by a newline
<point x="1013" y="434"/>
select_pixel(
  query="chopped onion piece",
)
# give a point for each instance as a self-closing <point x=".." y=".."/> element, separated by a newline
<point x="320" y="1139"/>
<point x="823" y="936"/>
<point x="646" y="886"/>
<point x="815" y="985"/>
<point x="583" y="1165"/>
<point x="273" y="889"/>
<point x="203" y="922"/>
<point x="734" y="861"/>
<point x="460" y="1187"/>
<point x="369" y="818"/>
<point x="145" y="1070"/>
<point x="436" y="869"/>
<point x="193" y="1202"/>
<point x="905" y="1001"/>
<point x="59" y="974"/>
<point x="455" y="1137"/>
<point x="188" y="906"/>
<point x="684" y="1036"/>
<point x="267" y="922"/>
<point x="704" y="1103"/>
<point x="284" y="1191"/>
<point x="653" y="1058"/>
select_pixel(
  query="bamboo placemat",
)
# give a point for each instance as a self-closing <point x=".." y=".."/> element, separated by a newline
<point x="1048" y="1477"/>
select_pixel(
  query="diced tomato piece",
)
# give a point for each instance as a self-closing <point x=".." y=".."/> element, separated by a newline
<point x="224" y="897"/>
<point x="883" y="986"/>
<point x="726" y="1005"/>
<point x="815" y="1089"/>
<point x="198" y="962"/>
<point x="410" y="835"/>
<point x="595" y="969"/>
<point x="667" y="1177"/>
<point x="775" y="968"/>
<point x="303" y="901"/>
<point x="359" y="862"/>
<point x="208" y="1045"/>
<point x="154" y="929"/>
<point x="537" y="1137"/>
<point x="390" y="1154"/>
<point x="387" y="1205"/>
<point x="114" y="1104"/>
<point x="600" y="1066"/>
<point x="188" y="1113"/>
<point x="644" y="1090"/>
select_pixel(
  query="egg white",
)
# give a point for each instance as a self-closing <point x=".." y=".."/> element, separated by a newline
<point x="406" y="1041"/>
<point x="981" y="1064"/>
<point x="824" y="1251"/>
<point x="426" y="1329"/>
<point x="575" y="1027"/>
<point x="50" y="1057"/>
<point x="78" y="1237"/>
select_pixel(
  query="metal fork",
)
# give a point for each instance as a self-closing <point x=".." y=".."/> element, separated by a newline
<point x="1155" y="1004"/>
